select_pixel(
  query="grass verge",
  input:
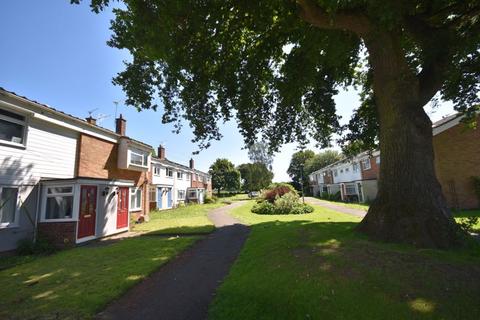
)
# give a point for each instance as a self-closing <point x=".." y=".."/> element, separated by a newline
<point x="315" y="266"/>
<point x="77" y="283"/>
<point x="183" y="220"/>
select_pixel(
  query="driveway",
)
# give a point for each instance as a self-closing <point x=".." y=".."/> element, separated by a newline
<point x="337" y="207"/>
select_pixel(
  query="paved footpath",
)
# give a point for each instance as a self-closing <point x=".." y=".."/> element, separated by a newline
<point x="337" y="207"/>
<point x="184" y="287"/>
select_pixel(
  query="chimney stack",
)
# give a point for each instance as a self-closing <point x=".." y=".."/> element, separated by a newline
<point x="161" y="152"/>
<point x="192" y="164"/>
<point x="91" y="120"/>
<point x="121" y="126"/>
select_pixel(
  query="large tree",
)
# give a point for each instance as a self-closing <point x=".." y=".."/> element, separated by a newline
<point x="224" y="176"/>
<point x="276" y="65"/>
<point x="296" y="169"/>
<point x="321" y="160"/>
<point x="255" y="176"/>
<point x="259" y="152"/>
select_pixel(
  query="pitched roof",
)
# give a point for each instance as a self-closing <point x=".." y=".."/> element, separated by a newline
<point x="173" y="163"/>
<point x="445" y="120"/>
<point x="67" y="115"/>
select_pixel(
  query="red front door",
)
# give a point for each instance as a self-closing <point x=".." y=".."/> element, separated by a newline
<point x="122" y="208"/>
<point x="88" y="211"/>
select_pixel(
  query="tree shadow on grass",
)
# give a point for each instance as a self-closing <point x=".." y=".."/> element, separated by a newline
<point x="331" y="270"/>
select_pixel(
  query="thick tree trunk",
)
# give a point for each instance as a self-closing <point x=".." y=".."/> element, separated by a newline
<point x="410" y="206"/>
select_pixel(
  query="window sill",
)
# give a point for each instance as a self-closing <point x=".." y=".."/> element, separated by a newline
<point x="12" y="144"/>
<point x="57" y="220"/>
<point x="9" y="226"/>
<point x="135" y="210"/>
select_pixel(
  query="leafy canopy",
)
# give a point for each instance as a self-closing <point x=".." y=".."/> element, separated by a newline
<point x="255" y="176"/>
<point x="224" y="175"/>
<point x="276" y="65"/>
<point x="296" y="169"/>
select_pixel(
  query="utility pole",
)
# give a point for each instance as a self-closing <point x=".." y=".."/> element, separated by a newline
<point x="301" y="175"/>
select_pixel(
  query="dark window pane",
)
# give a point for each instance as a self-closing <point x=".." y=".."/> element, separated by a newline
<point x="11" y="115"/>
<point x="8" y="205"/>
<point x="11" y="131"/>
<point x="59" y="207"/>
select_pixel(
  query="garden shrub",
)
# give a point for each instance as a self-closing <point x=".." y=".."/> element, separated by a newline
<point x="287" y="203"/>
<point x="277" y="190"/>
<point x="41" y="246"/>
<point x="208" y="199"/>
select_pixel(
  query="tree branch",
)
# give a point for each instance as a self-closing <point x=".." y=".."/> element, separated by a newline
<point x="351" y="21"/>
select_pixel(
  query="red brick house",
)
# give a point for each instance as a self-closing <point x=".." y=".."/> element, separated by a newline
<point x="457" y="160"/>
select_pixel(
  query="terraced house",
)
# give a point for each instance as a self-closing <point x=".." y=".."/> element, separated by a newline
<point x="173" y="184"/>
<point x="66" y="177"/>
<point x="457" y="162"/>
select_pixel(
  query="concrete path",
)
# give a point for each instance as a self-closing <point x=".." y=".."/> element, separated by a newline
<point x="184" y="287"/>
<point x="337" y="207"/>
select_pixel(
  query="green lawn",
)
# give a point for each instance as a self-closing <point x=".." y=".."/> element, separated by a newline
<point x="360" y="206"/>
<point x="183" y="220"/>
<point x="459" y="216"/>
<point x="315" y="266"/>
<point x="77" y="283"/>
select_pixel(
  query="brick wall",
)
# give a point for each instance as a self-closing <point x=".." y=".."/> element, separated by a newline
<point x="457" y="159"/>
<point x="98" y="159"/>
<point x="371" y="173"/>
<point x="60" y="234"/>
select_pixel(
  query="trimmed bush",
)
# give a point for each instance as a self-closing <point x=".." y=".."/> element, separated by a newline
<point x="41" y="246"/>
<point x="288" y="203"/>
<point x="277" y="190"/>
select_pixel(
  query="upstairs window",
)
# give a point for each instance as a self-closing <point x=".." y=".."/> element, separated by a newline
<point x="8" y="206"/>
<point x="366" y="164"/>
<point x="139" y="159"/>
<point x="180" y="175"/>
<point x="187" y="176"/>
<point x="12" y="127"/>
<point x="59" y="203"/>
<point x="169" y="173"/>
<point x="355" y="167"/>
<point x="156" y="170"/>
<point x="335" y="172"/>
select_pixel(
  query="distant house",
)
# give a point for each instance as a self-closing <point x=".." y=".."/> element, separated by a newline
<point x="457" y="160"/>
<point x="354" y="180"/>
<point x="73" y="180"/>
<point x="173" y="183"/>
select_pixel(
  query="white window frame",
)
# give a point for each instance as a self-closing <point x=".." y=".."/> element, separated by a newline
<point x="179" y="175"/>
<point x="133" y="191"/>
<point x="167" y="170"/>
<point x="187" y="176"/>
<point x="46" y="195"/>
<point x="157" y="170"/>
<point x="152" y="191"/>
<point x="142" y="155"/>
<point x="180" y="197"/>
<point x="355" y="167"/>
<point x="366" y="165"/>
<point x="335" y="173"/>
<point x="17" y="209"/>
<point x="23" y="123"/>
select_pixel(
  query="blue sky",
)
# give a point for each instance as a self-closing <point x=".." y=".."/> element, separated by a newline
<point x="56" y="53"/>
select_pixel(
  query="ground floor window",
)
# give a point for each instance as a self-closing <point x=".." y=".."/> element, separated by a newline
<point x="153" y="194"/>
<point x="135" y="199"/>
<point x="59" y="203"/>
<point x="181" y="194"/>
<point x="192" y="194"/>
<point x="8" y="205"/>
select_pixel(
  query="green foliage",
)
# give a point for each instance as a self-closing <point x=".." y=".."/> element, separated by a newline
<point x="255" y="176"/>
<point x="285" y="201"/>
<point x="468" y="224"/>
<point x="277" y="190"/>
<point x="224" y="176"/>
<point x="260" y="153"/>
<point x="297" y="166"/>
<point x="41" y="246"/>
<point x="321" y="160"/>
<point x="212" y="199"/>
